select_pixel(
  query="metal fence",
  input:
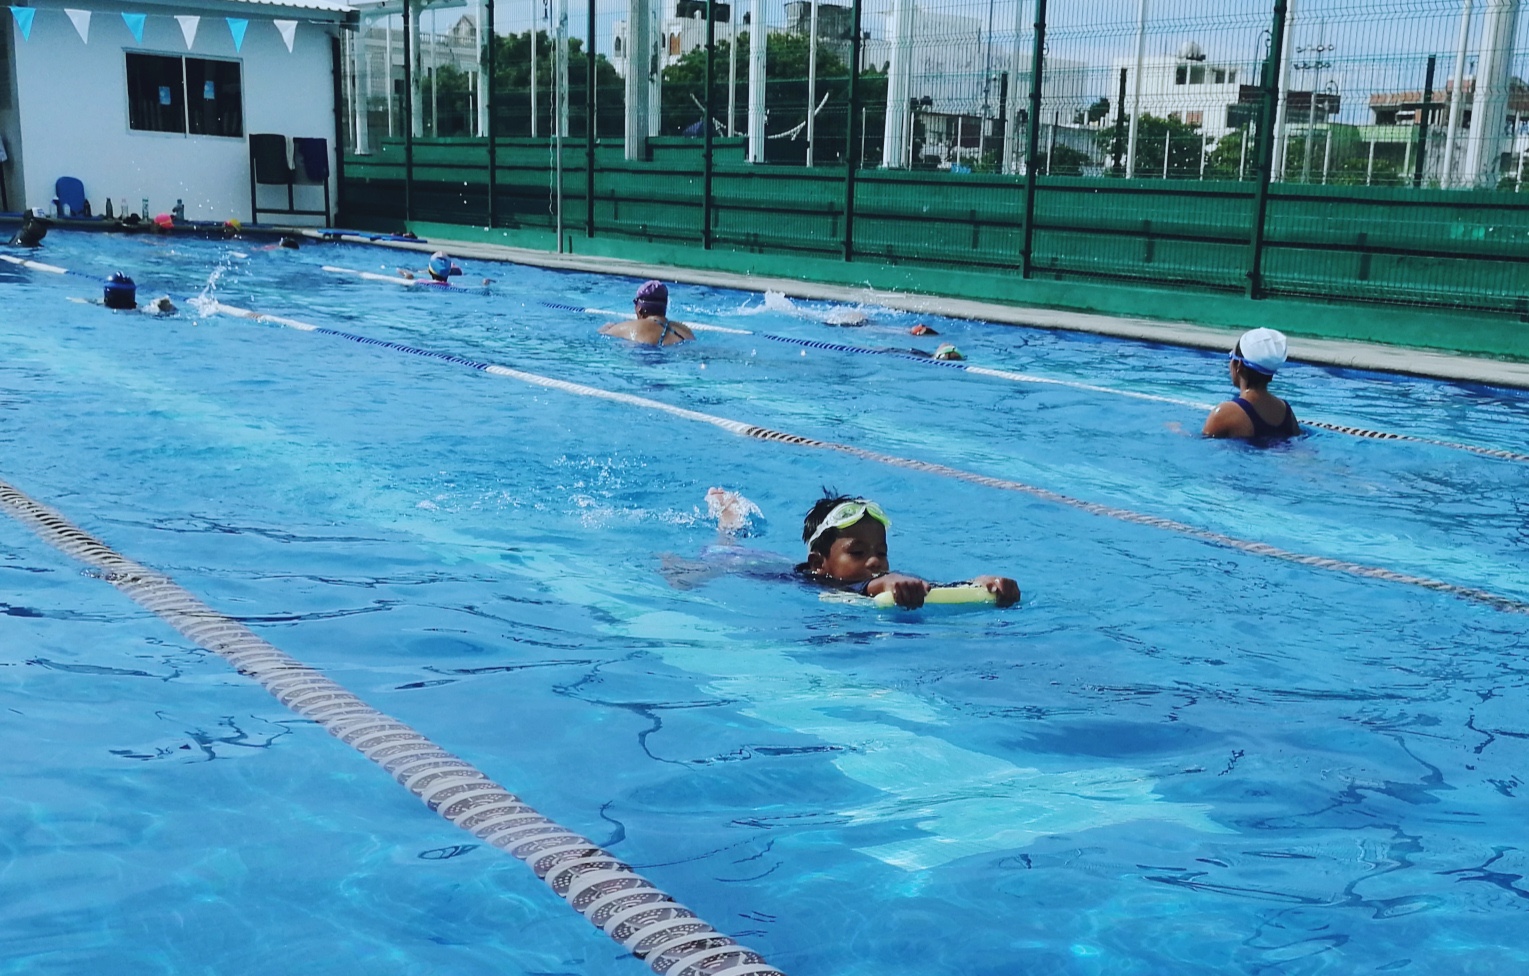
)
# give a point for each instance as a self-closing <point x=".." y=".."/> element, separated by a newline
<point x="1360" y="149"/>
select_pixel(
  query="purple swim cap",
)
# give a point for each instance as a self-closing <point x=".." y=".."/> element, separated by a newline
<point x="653" y="297"/>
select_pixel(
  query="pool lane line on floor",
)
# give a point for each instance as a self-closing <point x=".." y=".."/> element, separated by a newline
<point x="650" y="924"/>
<point x="1492" y="452"/>
<point x="1494" y="600"/>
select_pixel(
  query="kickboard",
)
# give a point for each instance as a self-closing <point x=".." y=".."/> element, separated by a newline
<point x="953" y="597"/>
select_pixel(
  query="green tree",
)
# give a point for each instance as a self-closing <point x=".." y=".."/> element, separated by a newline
<point x="448" y="89"/>
<point x="512" y="88"/>
<point x="1226" y="161"/>
<point x="1099" y="110"/>
<point x="1065" y="161"/>
<point x="1184" y="142"/>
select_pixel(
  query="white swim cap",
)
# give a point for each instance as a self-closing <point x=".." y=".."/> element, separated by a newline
<point x="1262" y="350"/>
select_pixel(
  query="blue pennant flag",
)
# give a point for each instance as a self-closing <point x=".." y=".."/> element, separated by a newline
<point x="134" y="23"/>
<point x="24" y="17"/>
<point x="237" y="26"/>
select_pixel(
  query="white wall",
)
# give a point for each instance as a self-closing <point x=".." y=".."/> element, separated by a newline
<point x="73" y="105"/>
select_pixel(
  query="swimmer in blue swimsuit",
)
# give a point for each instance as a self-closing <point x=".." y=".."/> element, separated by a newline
<point x="652" y="326"/>
<point x="1255" y="413"/>
<point x="847" y="549"/>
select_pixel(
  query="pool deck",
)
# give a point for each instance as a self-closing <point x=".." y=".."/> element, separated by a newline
<point x="1324" y="352"/>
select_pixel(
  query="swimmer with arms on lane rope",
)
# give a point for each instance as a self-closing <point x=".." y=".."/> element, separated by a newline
<point x="1255" y="413"/>
<point x="652" y="325"/>
<point x="847" y="549"/>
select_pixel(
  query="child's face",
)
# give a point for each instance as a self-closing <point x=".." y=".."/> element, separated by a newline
<point x="859" y="553"/>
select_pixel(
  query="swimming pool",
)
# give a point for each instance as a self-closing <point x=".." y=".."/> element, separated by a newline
<point x="1176" y="757"/>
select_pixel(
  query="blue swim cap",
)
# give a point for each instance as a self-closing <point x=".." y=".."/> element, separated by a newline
<point x="120" y="292"/>
<point x="440" y="266"/>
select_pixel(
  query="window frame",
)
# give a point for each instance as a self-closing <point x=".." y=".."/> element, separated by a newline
<point x="184" y="132"/>
<point x="238" y="64"/>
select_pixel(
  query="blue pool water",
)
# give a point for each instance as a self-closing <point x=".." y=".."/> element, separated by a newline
<point x="1175" y="758"/>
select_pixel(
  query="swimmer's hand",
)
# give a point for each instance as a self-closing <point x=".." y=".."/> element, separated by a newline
<point x="907" y="591"/>
<point x="406" y="274"/>
<point x="1005" y="589"/>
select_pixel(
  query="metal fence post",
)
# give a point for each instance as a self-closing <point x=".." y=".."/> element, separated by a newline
<point x="589" y="126"/>
<point x="493" y="161"/>
<point x="337" y="58"/>
<point x="706" y="149"/>
<point x="408" y="115"/>
<point x="1269" y="82"/>
<point x="1118" y="149"/>
<point x="1424" y="114"/>
<point x="1032" y="137"/>
<point x="852" y="144"/>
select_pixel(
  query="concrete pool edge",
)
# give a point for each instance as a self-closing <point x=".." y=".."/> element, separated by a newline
<point x="1468" y="365"/>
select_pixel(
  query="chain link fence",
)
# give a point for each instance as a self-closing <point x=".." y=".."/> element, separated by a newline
<point x="1363" y="149"/>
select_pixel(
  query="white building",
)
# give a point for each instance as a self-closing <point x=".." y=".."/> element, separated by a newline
<point x="1193" y="89"/>
<point x="446" y="39"/>
<point x="155" y="100"/>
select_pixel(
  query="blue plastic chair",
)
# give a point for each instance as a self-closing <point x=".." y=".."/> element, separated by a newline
<point x="69" y="198"/>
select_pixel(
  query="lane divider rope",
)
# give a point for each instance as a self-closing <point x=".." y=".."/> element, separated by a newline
<point x="1014" y="377"/>
<point x="1350" y="430"/>
<point x="623" y="904"/>
<point x="743" y="429"/>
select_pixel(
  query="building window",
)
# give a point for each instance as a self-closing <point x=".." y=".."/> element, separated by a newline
<point x="1220" y="74"/>
<point x="1180" y="75"/>
<point x="214" y="98"/>
<point x="1194" y="118"/>
<point x="1231" y="76"/>
<point x="156" y="93"/>
<point x="1197" y="75"/>
<point x="198" y="96"/>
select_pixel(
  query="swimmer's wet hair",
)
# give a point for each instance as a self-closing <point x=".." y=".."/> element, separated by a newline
<point x="831" y="499"/>
<point x="1252" y="377"/>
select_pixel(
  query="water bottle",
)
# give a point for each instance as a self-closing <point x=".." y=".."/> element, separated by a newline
<point x="179" y="213"/>
<point x="145" y="214"/>
<point x="108" y="208"/>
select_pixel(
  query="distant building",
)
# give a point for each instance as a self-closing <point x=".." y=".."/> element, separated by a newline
<point x="1216" y="96"/>
<point x="964" y="71"/>
<point x="1398" y="114"/>
<point x="150" y="102"/>
<point x="379" y="74"/>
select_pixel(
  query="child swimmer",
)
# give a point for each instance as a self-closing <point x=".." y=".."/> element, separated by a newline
<point x="847" y="549"/>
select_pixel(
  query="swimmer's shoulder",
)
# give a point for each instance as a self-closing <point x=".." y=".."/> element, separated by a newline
<point x="622" y="330"/>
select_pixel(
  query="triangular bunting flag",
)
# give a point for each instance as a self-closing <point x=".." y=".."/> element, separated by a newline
<point x="237" y="26"/>
<point x="24" y="17"/>
<point x="288" y="30"/>
<point x="188" y="24"/>
<point x="134" y="23"/>
<point x="81" y="20"/>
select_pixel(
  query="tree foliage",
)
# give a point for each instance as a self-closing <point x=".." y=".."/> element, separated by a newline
<point x="1185" y="145"/>
<point x="512" y="87"/>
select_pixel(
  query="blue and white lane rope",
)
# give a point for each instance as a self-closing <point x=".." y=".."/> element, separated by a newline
<point x="1492" y="452"/>
<point x="623" y="904"/>
<point x="742" y="429"/>
<point x="1013" y="377"/>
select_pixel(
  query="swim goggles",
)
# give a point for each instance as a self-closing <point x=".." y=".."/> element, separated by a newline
<point x="1240" y="361"/>
<point x="846" y="514"/>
